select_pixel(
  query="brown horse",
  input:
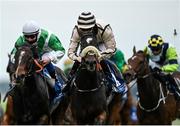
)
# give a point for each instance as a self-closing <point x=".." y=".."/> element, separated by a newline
<point x="89" y="104"/>
<point x="156" y="105"/>
<point x="119" y="109"/>
<point x="28" y="101"/>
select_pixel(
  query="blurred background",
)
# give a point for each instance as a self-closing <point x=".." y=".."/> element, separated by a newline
<point x="132" y="21"/>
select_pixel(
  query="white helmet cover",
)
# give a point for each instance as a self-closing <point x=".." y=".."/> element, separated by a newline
<point x="30" y="28"/>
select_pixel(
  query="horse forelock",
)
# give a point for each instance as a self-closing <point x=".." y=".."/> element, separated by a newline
<point x="23" y="60"/>
<point x="134" y="57"/>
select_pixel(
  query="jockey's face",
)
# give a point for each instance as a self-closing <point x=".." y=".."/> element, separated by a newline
<point x="156" y="52"/>
<point x="31" y="38"/>
<point x="84" y="31"/>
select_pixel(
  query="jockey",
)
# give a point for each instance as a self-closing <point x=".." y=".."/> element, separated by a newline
<point x="87" y="24"/>
<point x="163" y="58"/>
<point x="49" y="48"/>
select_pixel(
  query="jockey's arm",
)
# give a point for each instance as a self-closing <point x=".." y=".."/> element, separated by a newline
<point x="109" y="41"/>
<point x="58" y="50"/>
<point x="172" y="57"/>
<point x="74" y="43"/>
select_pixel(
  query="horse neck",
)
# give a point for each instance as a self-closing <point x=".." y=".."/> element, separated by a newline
<point x="87" y="79"/>
<point x="148" y="89"/>
<point x="32" y="99"/>
<point x="34" y="83"/>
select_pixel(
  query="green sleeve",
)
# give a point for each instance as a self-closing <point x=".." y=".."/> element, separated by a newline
<point x="171" y="55"/>
<point x="55" y="43"/>
<point x="119" y="60"/>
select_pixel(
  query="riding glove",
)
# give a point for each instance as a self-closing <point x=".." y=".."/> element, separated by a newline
<point x="46" y="59"/>
<point x="78" y="59"/>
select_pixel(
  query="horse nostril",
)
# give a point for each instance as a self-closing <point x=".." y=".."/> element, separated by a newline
<point x="18" y="78"/>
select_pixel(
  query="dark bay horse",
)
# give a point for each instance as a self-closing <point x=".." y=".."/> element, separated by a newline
<point x="88" y="100"/>
<point x="28" y="101"/>
<point x="89" y="104"/>
<point x="156" y="105"/>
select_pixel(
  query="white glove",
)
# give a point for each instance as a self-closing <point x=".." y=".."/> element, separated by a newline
<point x="79" y="59"/>
<point x="101" y="57"/>
<point x="46" y="59"/>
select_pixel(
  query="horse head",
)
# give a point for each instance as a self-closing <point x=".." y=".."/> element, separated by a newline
<point x="90" y="56"/>
<point x="25" y="63"/>
<point x="137" y="66"/>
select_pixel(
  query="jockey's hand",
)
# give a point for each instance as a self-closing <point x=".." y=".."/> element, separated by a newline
<point x="45" y="60"/>
<point x="79" y="59"/>
<point x="101" y="57"/>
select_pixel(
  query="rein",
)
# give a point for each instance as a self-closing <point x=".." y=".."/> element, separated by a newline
<point x="39" y="65"/>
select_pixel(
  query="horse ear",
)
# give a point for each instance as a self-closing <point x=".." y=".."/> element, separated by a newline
<point x="9" y="55"/>
<point x="145" y="51"/>
<point x="134" y="50"/>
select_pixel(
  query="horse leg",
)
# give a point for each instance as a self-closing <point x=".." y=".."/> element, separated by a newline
<point x="114" y="117"/>
<point x="178" y="109"/>
<point x="58" y="116"/>
<point x="44" y="119"/>
<point x="125" y="112"/>
<point x="8" y="115"/>
<point x="101" y="118"/>
<point x="68" y="117"/>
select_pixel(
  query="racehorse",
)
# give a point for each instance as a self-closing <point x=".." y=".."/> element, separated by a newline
<point x="89" y="104"/>
<point x="28" y="100"/>
<point x="88" y="99"/>
<point x="156" y="105"/>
